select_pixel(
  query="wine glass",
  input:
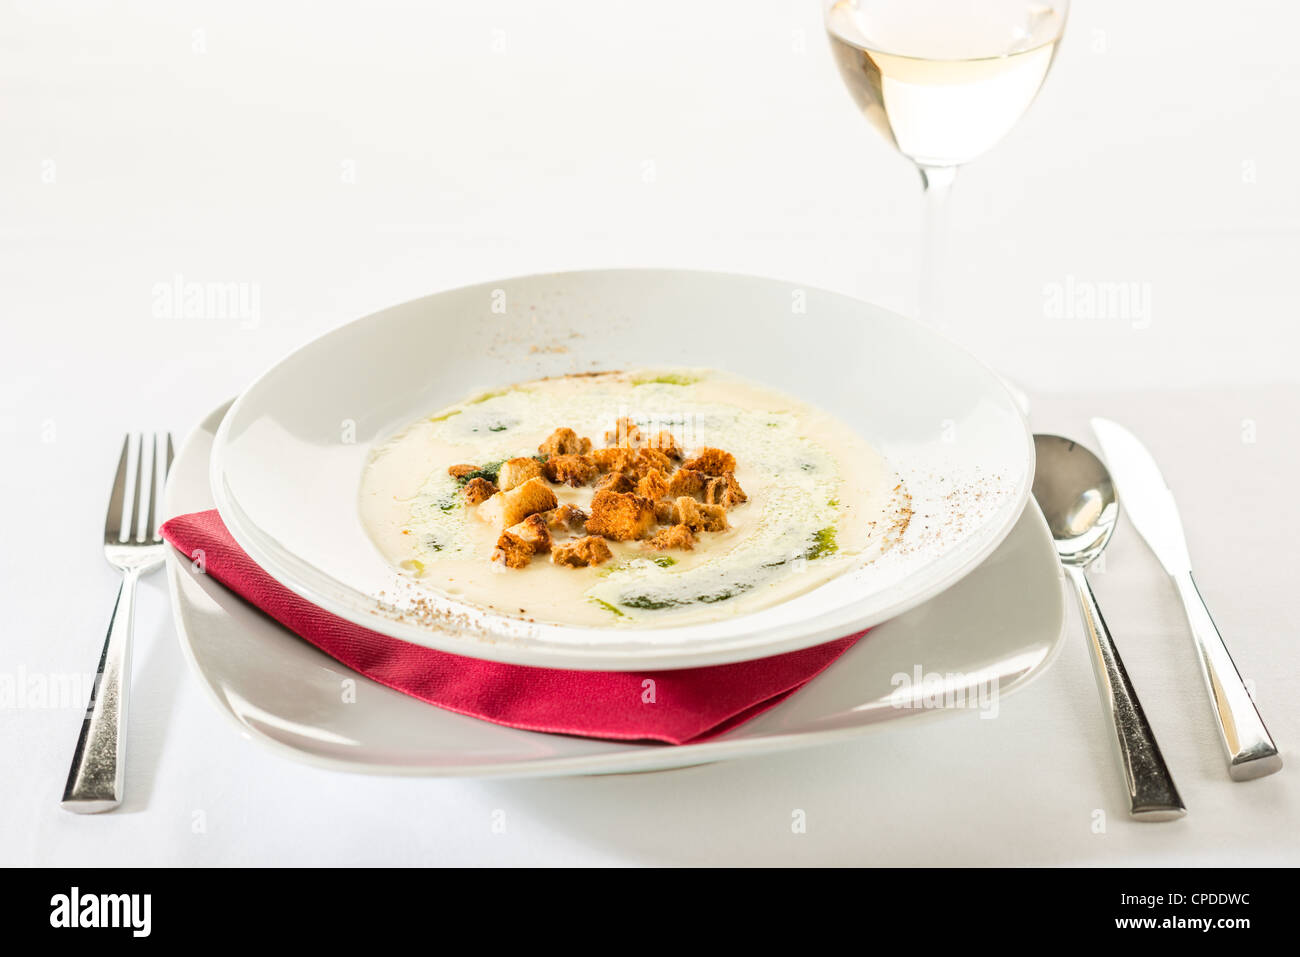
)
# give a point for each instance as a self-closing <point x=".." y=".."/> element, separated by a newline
<point x="943" y="80"/>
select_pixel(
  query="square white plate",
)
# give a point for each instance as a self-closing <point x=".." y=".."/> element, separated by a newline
<point x="986" y="636"/>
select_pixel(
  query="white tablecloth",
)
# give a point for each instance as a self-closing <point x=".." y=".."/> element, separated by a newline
<point x="337" y="160"/>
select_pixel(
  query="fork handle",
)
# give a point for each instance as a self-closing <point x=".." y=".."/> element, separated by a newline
<point x="95" y="778"/>
<point x="1151" y="792"/>
<point x="1250" y="748"/>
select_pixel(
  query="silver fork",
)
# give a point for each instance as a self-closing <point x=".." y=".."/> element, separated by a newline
<point x="95" y="778"/>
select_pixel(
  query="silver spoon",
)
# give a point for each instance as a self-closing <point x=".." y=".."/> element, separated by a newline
<point x="1078" y="499"/>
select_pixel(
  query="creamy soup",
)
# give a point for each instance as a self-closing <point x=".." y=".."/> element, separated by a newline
<point x="819" y="500"/>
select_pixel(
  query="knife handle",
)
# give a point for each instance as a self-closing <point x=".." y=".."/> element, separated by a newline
<point x="1151" y="791"/>
<point x="1250" y="748"/>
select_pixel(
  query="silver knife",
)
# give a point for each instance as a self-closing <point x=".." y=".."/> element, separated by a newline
<point x="1151" y="509"/>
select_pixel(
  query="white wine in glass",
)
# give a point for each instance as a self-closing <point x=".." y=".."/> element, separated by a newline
<point x="943" y="80"/>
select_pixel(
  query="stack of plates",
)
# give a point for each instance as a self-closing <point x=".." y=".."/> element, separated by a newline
<point x="969" y="603"/>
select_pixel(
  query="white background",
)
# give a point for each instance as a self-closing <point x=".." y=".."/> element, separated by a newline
<point x="340" y="158"/>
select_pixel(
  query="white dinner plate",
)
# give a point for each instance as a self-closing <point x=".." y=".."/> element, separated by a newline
<point x="288" y="459"/>
<point x="970" y="646"/>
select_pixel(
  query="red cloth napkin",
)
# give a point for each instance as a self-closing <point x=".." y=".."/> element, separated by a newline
<point x="686" y="706"/>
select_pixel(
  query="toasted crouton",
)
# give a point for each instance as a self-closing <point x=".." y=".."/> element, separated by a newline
<point x="712" y="518"/>
<point x="724" y="490"/>
<point x="515" y="472"/>
<point x="581" y="552"/>
<point x="568" y="517"/>
<point x="653" y="485"/>
<point x="665" y="443"/>
<point x="686" y="482"/>
<point x="572" y="470"/>
<point x="700" y="518"/>
<point x="621" y="516"/>
<point x="612" y="460"/>
<point x="647" y="459"/>
<point x="713" y="461"/>
<point x="676" y="536"/>
<point x="615" y="482"/>
<point x="564" y="442"/>
<point x="533" y="530"/>
<point x="510" y="508"/>
<point x="460" y="471"/>
<point x="512" y="551"/>
<point x="665" y="512"/>
<point x="625" y="435"/>
<point x="478" y="490"/>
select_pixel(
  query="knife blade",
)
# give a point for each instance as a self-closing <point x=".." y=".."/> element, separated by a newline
<point x="1144" y="495"/>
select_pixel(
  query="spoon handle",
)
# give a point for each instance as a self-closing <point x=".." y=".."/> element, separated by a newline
<point x="1151" y="792"/>
<point x="1251" y="751"/>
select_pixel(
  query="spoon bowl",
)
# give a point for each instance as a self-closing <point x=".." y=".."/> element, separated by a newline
<point x="1077" y="497"/>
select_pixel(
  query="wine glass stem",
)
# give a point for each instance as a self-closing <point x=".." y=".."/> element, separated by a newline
<point x="933" y="268"/>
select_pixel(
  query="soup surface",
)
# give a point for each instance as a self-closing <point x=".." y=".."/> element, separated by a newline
<point x="818" y="500"/>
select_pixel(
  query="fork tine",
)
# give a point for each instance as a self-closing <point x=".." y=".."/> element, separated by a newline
<point x="117" y="498"/>
<point x="151" y="528"/>
<point x="166" y="470"/>
<point x="133" y="529"/>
